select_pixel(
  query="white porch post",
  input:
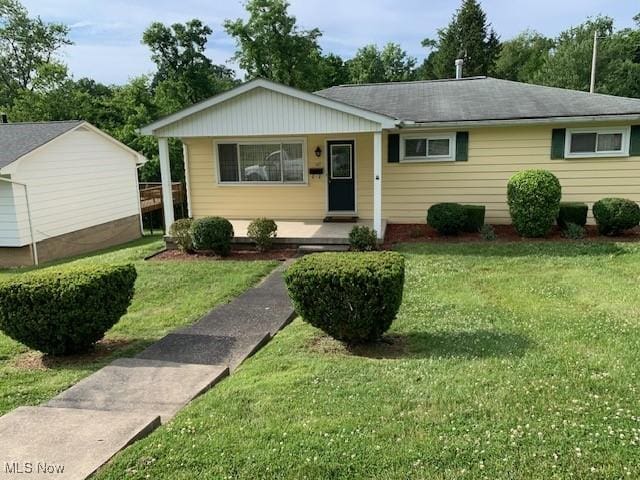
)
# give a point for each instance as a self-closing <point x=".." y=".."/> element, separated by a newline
<point x="165" y="176"/>
<point x="377" y="183"/>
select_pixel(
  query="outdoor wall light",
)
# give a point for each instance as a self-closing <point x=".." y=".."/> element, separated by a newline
<point x="318" y="151"/>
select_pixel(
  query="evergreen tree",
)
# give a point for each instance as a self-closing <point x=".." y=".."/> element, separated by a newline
<point x="468" y="36"/>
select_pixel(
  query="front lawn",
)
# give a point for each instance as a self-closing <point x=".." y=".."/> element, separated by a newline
<point x="168" y="295"/>
<point x="509" y="361"/>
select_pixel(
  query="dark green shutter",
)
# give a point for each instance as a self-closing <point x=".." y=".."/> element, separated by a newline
<point x="462" y="146"/>
<point x="393" y="148"/>
<point x="557" y="143"/>
<point x="634" y="144"/>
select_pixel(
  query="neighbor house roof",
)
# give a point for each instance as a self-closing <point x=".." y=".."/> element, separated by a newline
<point x="476" y="99"/>
<point x="18" y="139"/>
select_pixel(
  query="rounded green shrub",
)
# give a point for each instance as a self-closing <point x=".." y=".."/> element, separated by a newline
<point x="212" y="233"/>
<point x="615" y="215"/>
<point x="353" y="297"/>
<point x="474" y="217"/>
<point x="180" y="231"/>
<point x="65" y="311"/>
<point x="363" y="239"/>
<point x="534" y="201"/>
<point x="447" y="218"/>
<point x="572" y="212"/>
<point x="573" y="231"/>
<point x="262" y="231"/>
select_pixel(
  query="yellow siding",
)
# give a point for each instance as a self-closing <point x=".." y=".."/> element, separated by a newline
<point x="296" y="202"/>
<point x="495" y="153"/>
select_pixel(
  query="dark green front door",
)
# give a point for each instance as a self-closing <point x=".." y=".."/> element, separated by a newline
<point x="341" y="176"/>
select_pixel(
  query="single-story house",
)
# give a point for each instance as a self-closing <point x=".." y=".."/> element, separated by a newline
<point x="66" y="188"/>
<point x="386" y="152"/>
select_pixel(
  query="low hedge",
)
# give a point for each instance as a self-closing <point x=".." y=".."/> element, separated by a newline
<point x="615" y="215"/>
<point x="263" y="231"/>
<point x="572" y="212"/>
<point x="474" y="217"/>
<point x="534" y="201"/>
<point x="212" y="233"/>
<point x="66" y="311"/>
<point x="447" y="218"/>
<point x="354" y="297"/>
<point x="180" y="231"/>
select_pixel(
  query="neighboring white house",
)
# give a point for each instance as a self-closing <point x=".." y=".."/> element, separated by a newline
<point x="81" y="191"/>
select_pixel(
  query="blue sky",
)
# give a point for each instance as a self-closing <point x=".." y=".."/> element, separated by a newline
<point x="107" y="33"/>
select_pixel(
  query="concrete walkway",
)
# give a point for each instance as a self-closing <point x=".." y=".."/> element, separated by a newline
<point x="78" y="431"/>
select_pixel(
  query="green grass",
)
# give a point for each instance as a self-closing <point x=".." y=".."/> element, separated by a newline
<point x="168" y="294"/>
<point x="510" y="361"/>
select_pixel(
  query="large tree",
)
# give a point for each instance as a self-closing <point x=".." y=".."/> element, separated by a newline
<point x="28" y="52"/>
<point x="618" y="65"/>
<point x="185" y="75"/>
<point x="391" y="64"/>
<point x="468" y="36"/>
<point x="271" y="45"/>
<point x="522" y="57"/>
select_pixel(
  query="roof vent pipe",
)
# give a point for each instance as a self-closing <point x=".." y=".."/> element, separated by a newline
<point x="4" y="118"/>
<point x="459" y="63"/>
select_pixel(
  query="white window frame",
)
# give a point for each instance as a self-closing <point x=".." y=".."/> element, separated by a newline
<point x="625" y="131"/>
<point x="451" y="136"/>
<point x="258" y="141"/>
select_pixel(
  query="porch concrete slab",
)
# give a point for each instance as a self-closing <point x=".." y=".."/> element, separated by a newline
<point x="304" y="231"/>
<point x="205" y="349"/>
<point x="140" y="385"/>
<point x="74" y="443"/>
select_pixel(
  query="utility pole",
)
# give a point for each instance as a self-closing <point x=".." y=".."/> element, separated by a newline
<point x="593" y="62"/>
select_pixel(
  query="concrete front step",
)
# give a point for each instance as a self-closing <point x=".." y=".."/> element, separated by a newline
<point x="65" y="443"/>
<point x="141" y="385"/>
<point x="305" y="249"/>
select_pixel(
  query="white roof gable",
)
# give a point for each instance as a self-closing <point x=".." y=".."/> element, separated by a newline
<point x="261" y="107"/>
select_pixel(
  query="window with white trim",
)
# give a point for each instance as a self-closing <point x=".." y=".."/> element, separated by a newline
<point x="434" y="147"/>
<point x="597" y="142"/>
<point x="261" y="162"/>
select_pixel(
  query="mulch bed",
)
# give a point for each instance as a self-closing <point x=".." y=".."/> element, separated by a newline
<point x="237" y="253"/>
<point x="420" y="233"/>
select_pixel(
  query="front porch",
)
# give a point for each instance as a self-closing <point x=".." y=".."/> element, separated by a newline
<point x="307" y="232"/>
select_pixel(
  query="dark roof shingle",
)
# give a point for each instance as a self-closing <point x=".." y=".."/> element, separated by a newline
<point x="18" y="139"/>
<point x="476" y="99"/>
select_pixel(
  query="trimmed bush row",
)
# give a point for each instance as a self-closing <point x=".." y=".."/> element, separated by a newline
<point x="262" y="231"/>
<point x="66" y="311"/>
<point x="453" y="218"/>
<point x="212" y="233"/>
<point x="354" y="297"/>
<point x="363" y="239"/>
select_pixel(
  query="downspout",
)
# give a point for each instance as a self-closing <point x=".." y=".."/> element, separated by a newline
<point x="34" y="248"/>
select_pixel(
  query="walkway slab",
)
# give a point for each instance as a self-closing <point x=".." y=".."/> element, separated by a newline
<point x="205" y="349"/>
<point x="143" y="386"/>
<point x="238" y="319"/>
<point x="65" y="443"/>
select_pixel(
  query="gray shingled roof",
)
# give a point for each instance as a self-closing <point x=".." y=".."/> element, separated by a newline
<point x="477" y="98"/>
<point x="18" y="139"/>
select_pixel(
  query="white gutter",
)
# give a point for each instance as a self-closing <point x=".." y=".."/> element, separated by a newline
<point x="522" y="121"/>
<point x="34" y="248"/>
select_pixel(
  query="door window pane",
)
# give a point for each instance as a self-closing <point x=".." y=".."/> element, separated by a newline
<point x="609" y="142"/>
<point x="439" y="147"/>
<point x="340" y="161"/>
<point x="415" y="147"/>
<point x="583" y="142"/>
